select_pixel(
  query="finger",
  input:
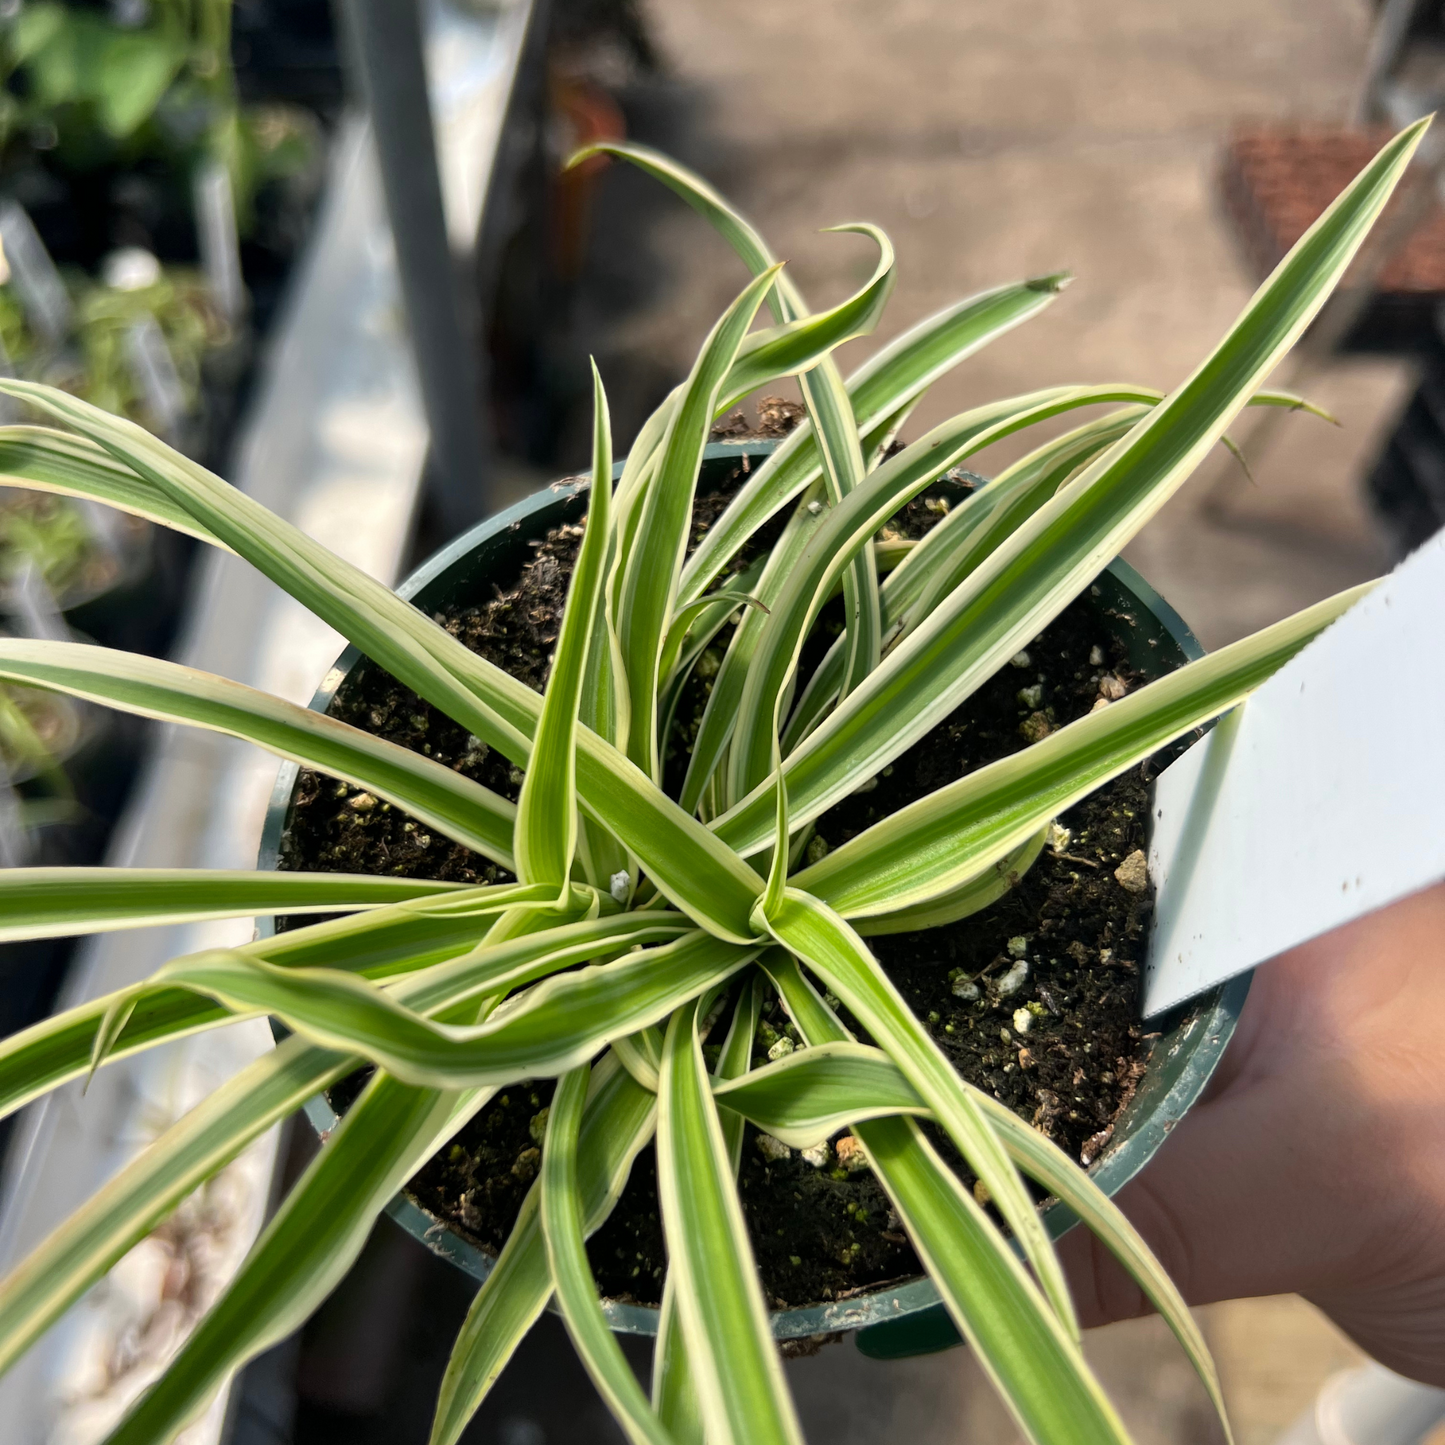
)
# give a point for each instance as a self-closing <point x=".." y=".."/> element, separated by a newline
<point x="1317" y="1166"/>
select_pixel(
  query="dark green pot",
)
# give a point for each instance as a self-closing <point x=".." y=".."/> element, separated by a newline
<point x="897" y="1320"/>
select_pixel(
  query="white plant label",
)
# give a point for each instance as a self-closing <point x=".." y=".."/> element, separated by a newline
<point x="1317" y="801"/>
<point x="220" y="245"/>
<point x="42" y="293"/>
<point x="154" y="369"/>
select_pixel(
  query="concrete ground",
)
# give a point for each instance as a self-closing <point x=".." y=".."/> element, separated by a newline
<point x="997" y="142"/>
<point x="993" y="142"/>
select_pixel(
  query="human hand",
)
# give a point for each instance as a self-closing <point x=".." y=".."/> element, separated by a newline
<point x="1315" y="1164"/>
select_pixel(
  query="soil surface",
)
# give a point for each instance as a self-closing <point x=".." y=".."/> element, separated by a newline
<point x="1034" y="998"/>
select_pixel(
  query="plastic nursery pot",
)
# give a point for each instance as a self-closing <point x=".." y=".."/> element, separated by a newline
<point x="899" y="1319"/>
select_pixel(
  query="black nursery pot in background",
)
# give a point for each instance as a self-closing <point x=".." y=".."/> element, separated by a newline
<point x="893" y="1320"/>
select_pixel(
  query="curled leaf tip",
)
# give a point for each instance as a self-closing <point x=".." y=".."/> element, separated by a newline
<point x="586" y="153"/>
<point x="1052" y="284"/>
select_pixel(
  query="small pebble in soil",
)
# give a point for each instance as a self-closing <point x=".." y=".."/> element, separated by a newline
<point x="1031" y="697"/>
<point x="1059" y="837"/>
<point x="537" y="1125"/>
<point x="1021" y="659"/>
<point x="781" y="1050"/>
<point x="1096" y="656"/>
<point x="818" y="1156"/>
<point x="1013" y="980"/>
<point x="817" y="849"/>
<point x="1035" y="727"/>
<point x="814" y="508"/>
<point x="1099" y="704"/>
<point x="618" y="886"/>
<point x="965" y="988"/>
<point x="773" y="1149"/>
<point x="850" y="1154"/>
<point x="1133" y="872"/>
<point x="1018" y="946"/>
<point x="1112" y="687"/>
<point x="1023" y="1020"/>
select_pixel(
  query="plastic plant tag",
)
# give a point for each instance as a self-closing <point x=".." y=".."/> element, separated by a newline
<point x="1318" y="800"/>
<point x="219" y="242"/>
<point x="16" y="845"/>
<point x="33" y="606"/>
<point x="154" y="370"/>
<point x="42" y="293"/>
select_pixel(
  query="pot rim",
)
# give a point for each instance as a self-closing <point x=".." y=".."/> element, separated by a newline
<point x="1209" y="1029"/>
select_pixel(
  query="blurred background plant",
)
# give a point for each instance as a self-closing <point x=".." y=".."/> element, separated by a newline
<point x="147" y="88"/>
<point x="160" y="161"/>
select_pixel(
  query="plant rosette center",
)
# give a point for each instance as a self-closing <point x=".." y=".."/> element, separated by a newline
<point x="1035" y="998"/>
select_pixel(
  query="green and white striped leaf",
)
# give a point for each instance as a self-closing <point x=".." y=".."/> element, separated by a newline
<point x="810" y="1094"/>
<point x="563" y="1213"/>
<point x="887" y="384"/>
<point x="720" y="714"/>
<point x="306" y="1249"/>
<point x="674" y="1395"/>
<point x="823" y="391"/>
<point x="881" y="392"/>
<point x="967" y="898"/>
<point x="546" y="830"/>
<point x="61" y="902"/>
<point x="41" y="459"/>
<point x="1037" y="571"/>
<point x="511" y="1299"/>
<point x="674" y="1391"/>
<point x="523" y="946"/>
<point x="848" y="526"/>
<point x="736" y="1055"/>
<point x="934" y="566"/>
<point x="544" y="1032"/>
<point x="389" y="940"/>
<point x="125" y="1209"/>
<point x="841" y="959"/>
<point x="1038" y="1370"/>
<point x="911" y="470"/>
<point x="649" y="579"/>
<point x="1033" y="1362"/>
<point x="948" y="838"/>
<point x="534" y="947"/>
<point x="152" y="687"/>
<point x="641" y="1055"/>
<point x="684" y="859"/>
<point x="1045" y="1162"/>
<point x="805" y="342"/>
<point x="733" y="1361"/>
<point x="693" y="630"/>
<point x="1024" y="487"/>
<point x="618" y="1120"/>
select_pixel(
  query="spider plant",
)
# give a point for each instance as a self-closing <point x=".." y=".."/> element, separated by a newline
<point x="635" y="912"/>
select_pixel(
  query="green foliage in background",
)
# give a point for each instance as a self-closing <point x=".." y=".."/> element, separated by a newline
<point x="98" y="91"/>
<point x="636" y="914"/>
